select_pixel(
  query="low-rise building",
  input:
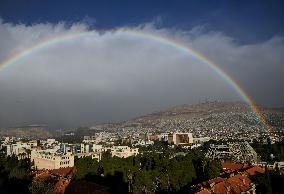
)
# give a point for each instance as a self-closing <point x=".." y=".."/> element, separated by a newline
<point x="97" y="148"/>
<point x="142" y="142"/>
<point x="46" y="159"/>
<point x="20" y="149"/>
<point x="123" y="151"/>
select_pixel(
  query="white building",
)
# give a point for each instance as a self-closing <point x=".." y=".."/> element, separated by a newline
<point x="123" y="151"/>
<point x="47" y="159"/>
<point x="82" y="148"/>
<point x="20" y="148"/>
<point x="51" y="141"/>
<point x="97" y="148"/>
<point x="200" y="140"/>
<point x="142" y="142"/>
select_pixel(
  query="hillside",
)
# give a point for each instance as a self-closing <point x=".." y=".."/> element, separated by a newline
<point x="202" y="119"/>
<point x="30" y="131"/>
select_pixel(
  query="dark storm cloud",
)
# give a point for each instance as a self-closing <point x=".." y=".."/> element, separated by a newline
<point x="112" y="76"/>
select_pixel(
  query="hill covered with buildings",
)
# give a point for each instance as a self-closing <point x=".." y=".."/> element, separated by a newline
<point x="217" y="120"/>
<point x="222" y="120"/>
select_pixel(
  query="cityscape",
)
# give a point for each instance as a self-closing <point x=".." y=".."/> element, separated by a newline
<point x="150" y="97"/>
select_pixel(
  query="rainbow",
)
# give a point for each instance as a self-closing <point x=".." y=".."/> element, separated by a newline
<point x="150" y="36"/>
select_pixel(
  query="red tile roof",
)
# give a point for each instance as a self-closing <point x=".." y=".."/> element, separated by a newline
<point x="231" y="166"/>
<point x="41" y="174"/>
<point x="233" y="185"/>
<point x="61" y="177"/>
<point x="216" y="180"/>
<point x="204" y="191"/>
<point x="255" y="170"/>
<point x="61" y="186"/>
<point x="64" y="172"/>
<point x="221" y="188"/>
<point x="236" y="184"/>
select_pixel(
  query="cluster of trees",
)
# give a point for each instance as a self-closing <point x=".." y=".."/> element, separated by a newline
<point x="269" y="152"/>
<point x="14" y="175"/>
<point x="149" y="172"/>
<point x="269" y="183"/>
<point x="272" y="181"/>
<point x="42" y="185"/>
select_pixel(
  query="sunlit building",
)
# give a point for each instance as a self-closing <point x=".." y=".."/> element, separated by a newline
<point x="124" y="151"/>
<point x="45" y="159"/>
<point x="180" y="138"/>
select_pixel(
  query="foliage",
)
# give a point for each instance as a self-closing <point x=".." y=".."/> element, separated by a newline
<point x="41" y="186"/>
<point x="14" y="172"/>
<point x="85" y="166"/>
<point x="272" y="182"/>
<point x="265" y="151"/>
<point x="149" y="172"/>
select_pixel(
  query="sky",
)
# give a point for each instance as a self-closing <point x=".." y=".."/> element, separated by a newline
<point x="112" y="76"/>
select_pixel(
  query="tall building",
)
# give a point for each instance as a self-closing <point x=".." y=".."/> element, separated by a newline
<point x="82" y="148"/>
<point x="63" y="148"/>
<point x="74" y="149"/>
<point x="180" y="138"/>
<point x="87" y="148"/>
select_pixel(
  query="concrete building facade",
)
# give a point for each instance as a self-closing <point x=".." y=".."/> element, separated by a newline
<point x="180" y="138"/>
<point x="43" y="159"/>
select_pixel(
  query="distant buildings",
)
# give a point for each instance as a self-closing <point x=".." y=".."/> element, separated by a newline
<point x="89" y="139"/>
<point x="95" y="151"/>
<point x="20" y="149"/>
<point x="52" y="154"/>
<point x="142" y="142"/>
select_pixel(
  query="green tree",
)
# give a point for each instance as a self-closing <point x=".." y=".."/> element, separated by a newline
<point x="43" y="186"/>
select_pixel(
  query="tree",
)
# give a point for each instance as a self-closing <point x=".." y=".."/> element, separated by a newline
<point x="43" y="186"/>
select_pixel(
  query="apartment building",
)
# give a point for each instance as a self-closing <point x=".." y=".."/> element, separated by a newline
<point x="180" y="138"/>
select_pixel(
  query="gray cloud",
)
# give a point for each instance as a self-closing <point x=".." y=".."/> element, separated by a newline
<point x="112" y="76"/>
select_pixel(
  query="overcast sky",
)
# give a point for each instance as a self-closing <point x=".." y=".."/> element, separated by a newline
<point x="111" y="76"/>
